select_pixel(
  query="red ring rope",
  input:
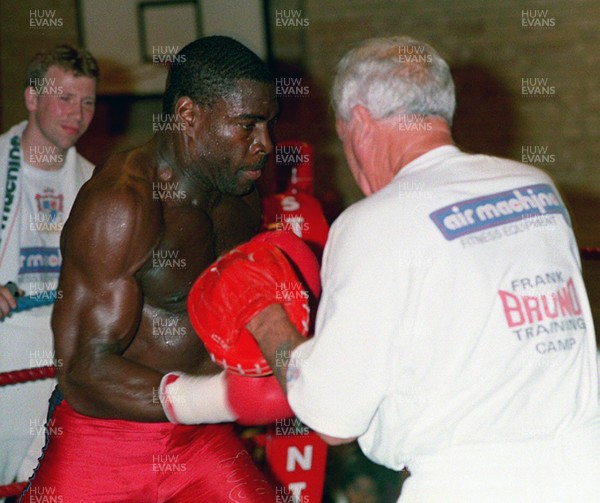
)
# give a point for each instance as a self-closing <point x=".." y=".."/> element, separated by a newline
<point x="16" y="377"/>
<point x="590" y="252"/>
<point x="12" y="489"/>
<point x="26" y="375"/>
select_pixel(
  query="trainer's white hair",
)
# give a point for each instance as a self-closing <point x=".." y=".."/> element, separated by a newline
<point x="395" y="75"/>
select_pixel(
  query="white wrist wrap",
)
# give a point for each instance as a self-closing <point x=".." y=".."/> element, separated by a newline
<point x="188" y="399"/>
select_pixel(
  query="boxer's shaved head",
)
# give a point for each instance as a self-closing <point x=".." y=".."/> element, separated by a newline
<point x="209" y="68"/>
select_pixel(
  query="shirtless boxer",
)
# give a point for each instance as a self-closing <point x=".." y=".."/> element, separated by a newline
<point x="142" y="230"/>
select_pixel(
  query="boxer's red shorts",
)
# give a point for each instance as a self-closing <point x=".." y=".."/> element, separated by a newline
<point x="106" y="460"/>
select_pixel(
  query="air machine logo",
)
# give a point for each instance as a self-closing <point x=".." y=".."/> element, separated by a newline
<point x="474" y="215"/>
<point x="40" y="260"/>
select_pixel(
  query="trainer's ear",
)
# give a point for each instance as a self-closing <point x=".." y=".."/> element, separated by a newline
<point x="188" y="114"/>
<point x="361" y="127"/>
<point x="363" y="117"/>
<point x="359" y="121"/>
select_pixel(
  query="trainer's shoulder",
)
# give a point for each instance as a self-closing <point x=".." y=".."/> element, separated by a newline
<point x="505" y="166"/>
<point x="370" y="216"/>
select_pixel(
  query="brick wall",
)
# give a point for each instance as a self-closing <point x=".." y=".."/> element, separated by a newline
<point x="500" y="52"/>
<point x="28" y="26"/>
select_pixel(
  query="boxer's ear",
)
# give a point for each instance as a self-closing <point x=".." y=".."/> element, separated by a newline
<point x="187" y="113"/>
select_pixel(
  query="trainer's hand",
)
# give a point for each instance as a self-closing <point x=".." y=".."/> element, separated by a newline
<point x="277" y="338"/>
<point x="7" y="298"/>
<point x="188" y="399"/>
<point x="238" y="286"/>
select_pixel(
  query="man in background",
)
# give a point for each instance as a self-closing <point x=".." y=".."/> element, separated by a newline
<point x="40" y="175"/>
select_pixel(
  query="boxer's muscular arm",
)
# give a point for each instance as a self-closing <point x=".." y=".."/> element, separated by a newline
<point x="109" y="235"/>
<point x="277" y="336"/>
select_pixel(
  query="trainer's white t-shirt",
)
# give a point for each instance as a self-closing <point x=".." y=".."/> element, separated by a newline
<point x="453" y="313"/>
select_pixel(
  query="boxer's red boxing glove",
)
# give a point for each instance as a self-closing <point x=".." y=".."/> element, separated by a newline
<point x="236" y="288"/>
<point x="188" y="399"/>
<point x="256" y="400"/>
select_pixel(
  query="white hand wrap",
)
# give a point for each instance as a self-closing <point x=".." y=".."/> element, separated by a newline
<point x="188" y="399"/>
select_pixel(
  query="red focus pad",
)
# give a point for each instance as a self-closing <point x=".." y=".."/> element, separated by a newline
<point x="256" y="400"/>
<point x="232" y="291"/>
<point x="299" y="253"/>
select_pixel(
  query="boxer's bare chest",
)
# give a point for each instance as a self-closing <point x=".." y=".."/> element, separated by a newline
<point x="191" y="240"/>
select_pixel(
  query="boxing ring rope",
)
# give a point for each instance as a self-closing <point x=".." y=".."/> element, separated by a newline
<point x="12" y="489"/>
<point x="590" y="252"/>
<point x="26" y="375"/>
<point x="38" y="373"/>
